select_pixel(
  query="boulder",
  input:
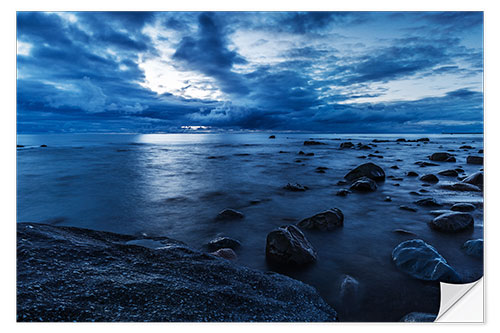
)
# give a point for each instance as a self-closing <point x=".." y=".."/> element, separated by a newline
<point x="475" y="160"/>
<point x="229" y="214"/>
<point x="412" y="174"/>
<point x="288" y="245"/>
<point x="429" y="178"/>
<point x="369" y="170"/>
<point x="342" y="193"/>
<point x="295" y="187"/>
<point x="428" y="202"/>
<point x="225" y="253"/>
<point x="364" y="184"/>
<point x="344" y="145"/>
<point x="223" y="242"/>
<point x="422" y="261"/>
<point x="452" y="222"/>
<point x="448" y="173"/>
<point x="418" y="317"/>
<point x="476" y="179"/>
<point x="464" y="187"/>
<point x="463" y="207"/>
<point x="327" y="220"/>
<point x="442" y="157"/>
<point x="474" y="247"/>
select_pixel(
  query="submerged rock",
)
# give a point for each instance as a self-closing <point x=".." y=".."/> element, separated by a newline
<point x="313" y="143"/>
<point x="223" y="242"/>
<point x="474" y="247"/>
<point x="448" y="173"/>
<point x="344" y="145"/>
<point x="120" y="282"/>
<point x="229" y="214"/>
<point x="461" y="187"/>
<point x="364" y="184"/>
<point x="476" y="179"/>
<point x="327" y="220"/>
<point x="474" y="160"/>
<point x="422" y="261"/>
<point x="404" y="232"/>
<point x="418" y="317"/>
<point x="349" y="290"/>
<point x="342" y="193"/>
<point x="428" y="202"/>
<point x="429" y="178"/>
<point x="295" y="187"/>
<point x="369" y="170"/>
<point x="452" y="222"/>
<point x="288" y="245"/>
<point x="425" y="164"/>
<point x="442" y="157"/>
<point x="410" y="209"/>
<point x="463" y="207"/>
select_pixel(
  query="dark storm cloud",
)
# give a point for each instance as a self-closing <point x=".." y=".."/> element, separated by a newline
<point x="82" y="73"/>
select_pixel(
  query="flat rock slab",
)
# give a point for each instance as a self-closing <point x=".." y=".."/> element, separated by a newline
<point x="72" y="274"/>
<point x="422" y="261"/>
<point x="452" y="222"/>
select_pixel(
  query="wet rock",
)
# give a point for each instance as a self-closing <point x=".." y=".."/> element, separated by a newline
<point x="412" y="174"/>
<point x="345" y="145"/>
<point x="463" y="207"/>
<point x="439" y="212"/>
<point x="362" y="156"/>
<point x="43" y="146"/>
<point x="395" y="167"/>
<point x="373" y="155"/>
<point x="423" y="140"/>
<point x="225" y="253"/>
<point x="301" y="153"/>
<point x="442" y="157"/>
<point x="120" y="282"/>
<point x="418" y="317"/>
<point x="288" y="245"/>
<point x="321" y="168"/>
<point x="310" y="154"/>
<point x="364" y="147"/>
<point x="476" y="179"/>
<point x="369" y="170"/>
<point x="452" y="222"/>
<point x="423" y="190"/>
<point x="272" y="137"/>
<point x="349" y="289"/>
<point x="397" y="178"/>
<point x="475" y="160"/>
<point x="463" y="187"/>
<point x="342" y="193"/>
<point x="448" y="173"/>
<point x="19" y="146"/>
<point x="341" y="182"/>
<point x="223" y="242"/>
<point x="480" y="151"/>
<point x="474" y="247"/>
<point x="313" y="143"/>
<point x="401" y="140"/>
<point x="429" y="178"/>
<point x="327" y="220"/>
<point x="298" y="160"/>
<point x="229" y="214"/>
<point x="466" y="147"/>
<point x="428" y="202"/>
<point x="459" y="170"/>
<point x="422" y="261"/>
<point x="423" y="164"/>
<point x="387" y="199"/>
<point x="319" y="171"/>
<point x="415" y="193"/>
<point x="403" y="232"/>
<point x="364" y="184"/>
<point x="380" y="141"/>
<point x="283" y="152"/>
<point x="295" y="187"/>
<point x="410" y="209"/>
<point x="397" y="184"/>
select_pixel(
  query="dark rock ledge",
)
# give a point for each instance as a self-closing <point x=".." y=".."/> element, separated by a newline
<point x="73" y="274"/>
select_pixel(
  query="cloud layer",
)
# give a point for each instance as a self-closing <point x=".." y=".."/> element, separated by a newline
<point x="300" y="71"/>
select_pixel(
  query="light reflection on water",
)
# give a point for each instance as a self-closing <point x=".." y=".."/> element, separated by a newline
<point x="175" y="184"/>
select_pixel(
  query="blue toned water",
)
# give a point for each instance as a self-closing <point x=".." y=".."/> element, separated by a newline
<point x="175" y="184"/>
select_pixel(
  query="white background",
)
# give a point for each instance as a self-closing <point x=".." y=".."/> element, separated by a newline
<point x="8" y="155"/>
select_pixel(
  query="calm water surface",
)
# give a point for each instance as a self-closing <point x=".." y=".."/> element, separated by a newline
<point x="175" y="184"/>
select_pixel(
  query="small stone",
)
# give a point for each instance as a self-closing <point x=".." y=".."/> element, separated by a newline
<point x="463" y="207"/>
<point x="429" y="178"/>
<point x="475" y="160"/>
<point x="428" y="202"/>
<point x="448" y="173"/>
<point x="342" y="193"/>
<point x="229" y="214"/>
<point x="295" y="187"/>
<point x="327" y="220"/>
<point x="410" y="209"/>
<point x="412" y="174"/>
<point x="272" y="137"/>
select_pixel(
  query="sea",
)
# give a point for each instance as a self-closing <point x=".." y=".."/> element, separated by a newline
<point x="174" y="185"/>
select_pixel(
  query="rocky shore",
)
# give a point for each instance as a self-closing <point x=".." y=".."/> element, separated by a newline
<point x="73" y="274"/>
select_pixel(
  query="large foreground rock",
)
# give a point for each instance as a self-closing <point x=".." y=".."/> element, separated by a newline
<point x="327" y="220"/>
<point x="369" y="170"/>
<point x="420" y="260"/>
<point x="452" y="222"/>
<point x="288" y="245"/>
<point x="72" y="274"/>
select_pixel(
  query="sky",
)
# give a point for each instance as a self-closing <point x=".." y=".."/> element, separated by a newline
<point x="330" y="72"/>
